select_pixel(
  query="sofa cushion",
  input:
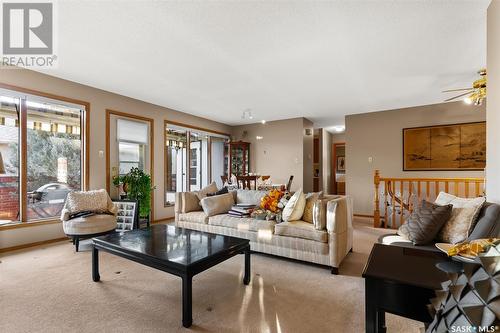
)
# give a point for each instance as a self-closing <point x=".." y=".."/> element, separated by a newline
<point x="424" y="223"/>
<point x="242" y="223"/>
<point x="463" y="217"/>
<point x="223" y="190"/>
<point x="488" y="223"/>
<point x="89" y="225"/>
<point x="311" y="199"/>
<point x="301" y="229"/>
<point x="320" y="211"/>
<point x="217" y="204"/>
<point x="396" y="240"/>
<point x="190" y="202"/>
<point x="195" y="217"/>
<point x="294" y="208"/>
<point x="210" y="188"/>
<point x="249" y="197"/>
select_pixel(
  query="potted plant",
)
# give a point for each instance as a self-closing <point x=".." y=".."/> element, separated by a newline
<point x="120" y="183"/>
<point x="139" y="188"/>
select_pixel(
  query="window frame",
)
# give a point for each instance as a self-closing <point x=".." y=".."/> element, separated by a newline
<point x="23" y="157"/>
<point x="151" y="146"/>
<point x="189" y="129"/>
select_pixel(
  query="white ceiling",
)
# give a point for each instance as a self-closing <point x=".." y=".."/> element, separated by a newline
<point x="320" y="60"/>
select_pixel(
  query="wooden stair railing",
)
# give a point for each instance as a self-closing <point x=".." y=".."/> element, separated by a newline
<point x="399" y="192"/>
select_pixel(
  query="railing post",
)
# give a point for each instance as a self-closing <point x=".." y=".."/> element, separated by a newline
<point x="376" y="211"/>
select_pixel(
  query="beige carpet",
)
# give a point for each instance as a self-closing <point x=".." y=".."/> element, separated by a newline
<point x="49" y="289"/>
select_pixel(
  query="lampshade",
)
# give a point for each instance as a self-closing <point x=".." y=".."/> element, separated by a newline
<point x="2" y="167"/>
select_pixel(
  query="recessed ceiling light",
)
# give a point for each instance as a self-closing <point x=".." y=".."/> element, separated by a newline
<point x="258" y="137"/>
<point x="263" y="122"/>
<point x="339" y="129"/>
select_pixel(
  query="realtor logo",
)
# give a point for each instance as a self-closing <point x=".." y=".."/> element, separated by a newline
<point x="27" y="28"/>
<point x="28" y="34"/>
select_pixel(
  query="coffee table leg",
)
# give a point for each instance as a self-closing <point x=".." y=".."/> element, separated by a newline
<point x="187" y="301"/>
<point x="95" y="264"/>
<point x="246" y="278"/>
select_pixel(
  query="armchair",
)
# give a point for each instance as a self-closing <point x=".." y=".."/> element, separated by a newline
<point x="102" y="219"/>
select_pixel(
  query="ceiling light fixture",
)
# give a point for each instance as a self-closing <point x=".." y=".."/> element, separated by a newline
<point x="247" y="114"/>
<point x="475" y="94"/>
<point x="263" y="122"/>
<point x="258" y="137"/>
<point x="339" y="129"/>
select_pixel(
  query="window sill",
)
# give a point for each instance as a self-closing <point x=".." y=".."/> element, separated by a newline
<point x="16" y="225"/>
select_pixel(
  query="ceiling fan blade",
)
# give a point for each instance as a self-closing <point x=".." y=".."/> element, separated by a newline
<point x="450" y="90"/>
<point x="452" y="98"/>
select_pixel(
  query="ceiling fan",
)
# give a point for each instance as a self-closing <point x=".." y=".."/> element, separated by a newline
<point x="475" y="94"/>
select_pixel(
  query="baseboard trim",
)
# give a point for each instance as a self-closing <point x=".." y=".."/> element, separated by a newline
<point x="363" y="215"/>
<point x="24" y="246"/>
<point x="168" y="219"/>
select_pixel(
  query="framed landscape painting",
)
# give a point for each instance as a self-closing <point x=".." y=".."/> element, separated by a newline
<point x="445" y="147"/>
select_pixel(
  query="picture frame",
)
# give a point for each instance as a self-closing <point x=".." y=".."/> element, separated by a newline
<point x="340" y="163"/>
<point x="453" y="147"/>
<point x="127" y="217"/>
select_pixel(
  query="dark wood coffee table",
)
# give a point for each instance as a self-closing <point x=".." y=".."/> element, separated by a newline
<point x="178" y="251"/>
<point x="400" y="280"/>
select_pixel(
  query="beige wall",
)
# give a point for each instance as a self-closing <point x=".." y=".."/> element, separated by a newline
<point x="326" y="160"/>
<point x="338" y="137"/>
<point x="281" y="151"/>
<point x="493" y="107"/>
<point x="99" y="101"/>
<point x="379" y="135"/>
<point x="307" y="143"/>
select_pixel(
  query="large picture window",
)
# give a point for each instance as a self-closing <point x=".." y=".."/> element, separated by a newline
<point x="41" y="155"/>
<point x="193" y="159"/>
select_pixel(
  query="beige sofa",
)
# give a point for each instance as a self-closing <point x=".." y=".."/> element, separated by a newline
<point x="296" y="240"/>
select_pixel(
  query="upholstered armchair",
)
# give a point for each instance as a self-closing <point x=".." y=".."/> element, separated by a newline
<point x="88" y="214"/>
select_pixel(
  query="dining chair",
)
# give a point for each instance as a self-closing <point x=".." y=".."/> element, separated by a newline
<point x="247" y="182"/>
<point x="289" y="184"/>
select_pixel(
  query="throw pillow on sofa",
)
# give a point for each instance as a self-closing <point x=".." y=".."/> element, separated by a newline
<point x="190" y="202"/>
<point x="211" y="188"/>
<point x="463" y="217"/>
<point x="218" y="204"/>
<point x="294" y="208"/>
<point x="223" y="190"/>
<point x="424" y="223"/>
<point x="311" y="199"/>
<point x="250" y="197"/>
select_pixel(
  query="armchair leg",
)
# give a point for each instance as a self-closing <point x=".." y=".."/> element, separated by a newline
<point x="335" y="270"/>
<point x="350" y="250"/>
<point x="77" y="243"/>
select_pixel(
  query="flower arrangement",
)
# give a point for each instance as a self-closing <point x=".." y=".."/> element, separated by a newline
<point x="270" y="201"/>
<point x="271" y="205"/>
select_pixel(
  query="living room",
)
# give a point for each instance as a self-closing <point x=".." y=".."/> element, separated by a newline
<point x="331" y="143"/>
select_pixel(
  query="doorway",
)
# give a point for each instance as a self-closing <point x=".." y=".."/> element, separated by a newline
<point x="338" y="168"/>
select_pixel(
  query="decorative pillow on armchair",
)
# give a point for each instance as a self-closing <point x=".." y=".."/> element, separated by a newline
<point x="463" y="217"/>
<point x="425" y="222"/>
<point x="94" y="201"/>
